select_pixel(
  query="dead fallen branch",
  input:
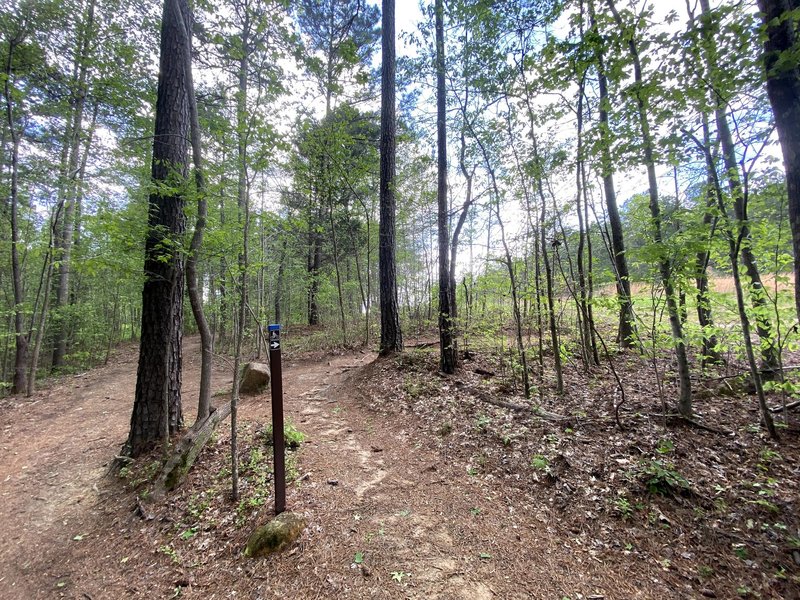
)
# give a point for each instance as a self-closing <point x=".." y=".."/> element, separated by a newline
<point x="186" y="452"/>
<point x="692" y="422"/>
<point x="791" y="405"/>
<point x="422" y="345"/>
<point x="531" y="408"/>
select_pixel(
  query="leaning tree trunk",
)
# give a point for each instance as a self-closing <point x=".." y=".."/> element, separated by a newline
<point x="159" y="371"/>
<point x="734" y="246"/>
<point x="391" y="335"/>
<point x="195" y="295"/>
<point x="46" y="284"/>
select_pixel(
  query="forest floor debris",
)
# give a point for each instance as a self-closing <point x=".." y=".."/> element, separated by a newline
<point x="438" y="493"/>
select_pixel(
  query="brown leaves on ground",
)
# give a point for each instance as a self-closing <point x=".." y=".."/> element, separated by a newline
<point x="438" y="493"/>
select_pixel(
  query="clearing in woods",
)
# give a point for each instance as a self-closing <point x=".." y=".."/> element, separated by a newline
<point x="392" y="513"/>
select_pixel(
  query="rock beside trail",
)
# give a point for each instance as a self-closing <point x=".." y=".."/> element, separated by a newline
<point x="255" y="378"/>
<point x="275" y="536"/>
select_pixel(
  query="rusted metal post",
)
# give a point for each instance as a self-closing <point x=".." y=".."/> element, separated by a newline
<point x="278" y="449"/>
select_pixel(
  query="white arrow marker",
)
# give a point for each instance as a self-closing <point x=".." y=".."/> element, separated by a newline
<point x="274" y="345"/>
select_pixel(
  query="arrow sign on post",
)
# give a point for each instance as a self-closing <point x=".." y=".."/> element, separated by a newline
<point x="278" y="451"/>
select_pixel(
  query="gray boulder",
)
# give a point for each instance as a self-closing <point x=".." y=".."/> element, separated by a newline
<point x="255" y="378"/>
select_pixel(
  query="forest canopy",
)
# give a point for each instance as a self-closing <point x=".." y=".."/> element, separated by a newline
<point x="573" y="178"/>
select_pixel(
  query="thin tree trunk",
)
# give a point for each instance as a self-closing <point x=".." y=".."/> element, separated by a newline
<point x="243" y="218"/>
<point x="684" y="381"/>
<point x="734" y="244"/>
<point x="704" y="316"/>
<point x="548" y="279"/>
<point x="590" y="271"/>
<point x="627" y="329"/>
<point x="314" y="264"/>
<point x="588" y="334"/>
<point x="769" y="351"/>
<point x="65" y="256"/>
<point x="279" y="283"/>
<point x="195" y="296"/>
<point x="46" y="286"/>
<point x="448" y="355"/>
<point x="20" y="383"/>
<point x="337" y="271"/>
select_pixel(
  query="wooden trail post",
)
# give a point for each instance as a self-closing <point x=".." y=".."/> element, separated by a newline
<point x="278" y="446"/>
<point x="286" y="527"/>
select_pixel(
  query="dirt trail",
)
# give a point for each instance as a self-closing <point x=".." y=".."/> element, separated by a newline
<point x="389" y="515"/>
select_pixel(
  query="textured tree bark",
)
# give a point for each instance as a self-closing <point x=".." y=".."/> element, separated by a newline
<point x="783" y="89"/>
<point x="391" y="335"/>
<point x="159" y="369"/>
<point x="448" y="356"/>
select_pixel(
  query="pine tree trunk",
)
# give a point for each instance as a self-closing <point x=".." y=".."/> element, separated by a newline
<point x="391" y="335"/>
<point x="159" y="372"/>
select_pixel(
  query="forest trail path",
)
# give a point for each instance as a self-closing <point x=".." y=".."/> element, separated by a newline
<point x="421" y="525"/>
